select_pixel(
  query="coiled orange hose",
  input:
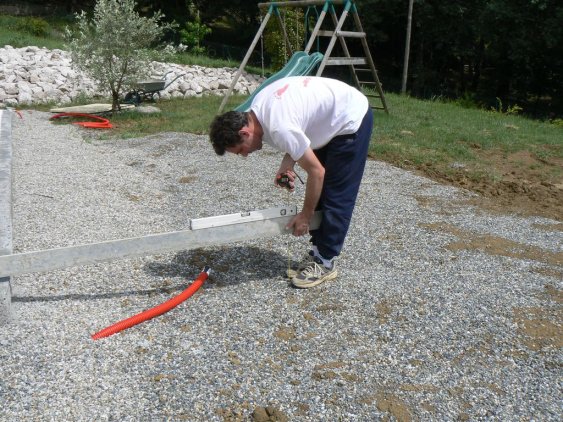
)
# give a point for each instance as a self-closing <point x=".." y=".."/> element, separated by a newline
<point x="102" y="122"/>
<point x="156" y="311"/>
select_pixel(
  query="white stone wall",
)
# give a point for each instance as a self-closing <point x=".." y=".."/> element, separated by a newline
<point x="33" y="75"/>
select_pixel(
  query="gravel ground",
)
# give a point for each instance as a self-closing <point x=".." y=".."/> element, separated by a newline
<point x="440" y="312"/>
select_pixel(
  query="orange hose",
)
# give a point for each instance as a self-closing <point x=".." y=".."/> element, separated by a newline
<point x="156" y="311"/>
<point x="102" y="122"/>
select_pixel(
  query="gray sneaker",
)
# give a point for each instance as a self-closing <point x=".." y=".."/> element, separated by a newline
<point x="296" y="268"/>
<point x="314" y="274"/>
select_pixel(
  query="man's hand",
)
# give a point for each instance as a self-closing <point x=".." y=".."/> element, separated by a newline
<point x="286" y="180"/>
<point x="299" y="224"/>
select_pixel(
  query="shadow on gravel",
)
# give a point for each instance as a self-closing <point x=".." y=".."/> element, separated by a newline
<point x="229" y="264"/>
<point x="112" y="295"/>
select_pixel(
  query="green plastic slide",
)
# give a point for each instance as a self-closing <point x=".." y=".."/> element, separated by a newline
<point x="300" y="64"/>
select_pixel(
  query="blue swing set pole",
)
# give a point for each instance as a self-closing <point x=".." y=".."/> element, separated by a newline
<point x="320" y="20"/>
<point x="308" y="32"/>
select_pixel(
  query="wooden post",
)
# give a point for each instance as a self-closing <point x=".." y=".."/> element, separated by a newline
<point x="407" y="49"/>
<point x="245" y="60"/>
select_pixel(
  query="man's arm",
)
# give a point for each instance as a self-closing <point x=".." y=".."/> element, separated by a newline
<point x="315" y="177"/>
<point x="286" y="164"/>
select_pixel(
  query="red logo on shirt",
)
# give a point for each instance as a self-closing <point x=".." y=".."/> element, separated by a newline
<point x="280" y="91"/>
<point x="306" y="82"/>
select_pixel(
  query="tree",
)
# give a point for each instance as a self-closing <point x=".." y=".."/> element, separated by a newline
<point x="242" y="11"/>
<point x="116" y="45"/>
<point x="275" y="43"/>
<point x="194" y="31"/>
<point x="524" y="52"/>
<point x="479" y="50"/>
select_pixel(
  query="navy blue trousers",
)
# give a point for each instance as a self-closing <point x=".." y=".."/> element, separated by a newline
<point x="344" y="160"/>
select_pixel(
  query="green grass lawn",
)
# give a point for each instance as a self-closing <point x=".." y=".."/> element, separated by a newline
<point x="417" y="134"/>
<point x="28" y="31"/>
<point x="446" y="136"/>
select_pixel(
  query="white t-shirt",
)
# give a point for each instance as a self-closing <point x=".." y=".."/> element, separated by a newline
<point x="306" y="111"/>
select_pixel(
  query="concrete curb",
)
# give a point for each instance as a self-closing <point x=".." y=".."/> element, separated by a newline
<point x="5" y="208"/>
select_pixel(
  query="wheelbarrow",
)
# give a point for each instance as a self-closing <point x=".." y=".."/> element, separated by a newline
<point x="149" y="89"/>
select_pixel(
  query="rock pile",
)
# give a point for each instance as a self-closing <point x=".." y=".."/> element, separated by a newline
<point x="33" y="75"/>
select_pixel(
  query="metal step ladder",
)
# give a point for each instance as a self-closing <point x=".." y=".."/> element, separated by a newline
<point x="363" y="68"/>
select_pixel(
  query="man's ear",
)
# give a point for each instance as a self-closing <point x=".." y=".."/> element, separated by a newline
<point x="244" y="132"/>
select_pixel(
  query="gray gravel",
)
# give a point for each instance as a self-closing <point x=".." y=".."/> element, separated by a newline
<point x="412" y="329"/>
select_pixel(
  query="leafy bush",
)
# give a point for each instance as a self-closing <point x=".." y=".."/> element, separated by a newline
<point x="193" y="34"/>
<point x="274" y="42"/>
<point x="34" y="26"/>
<point x="510" y="110"/>
<point x="116" y="45"/>
<point x="467" y="100"/>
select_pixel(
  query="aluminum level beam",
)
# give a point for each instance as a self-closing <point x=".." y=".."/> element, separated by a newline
<point x="5" y="207"/>
<point x="242" y="217"/>
<point x="212" y="231"/>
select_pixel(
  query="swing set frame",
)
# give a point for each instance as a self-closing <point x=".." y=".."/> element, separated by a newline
<point x="337" y="34"/>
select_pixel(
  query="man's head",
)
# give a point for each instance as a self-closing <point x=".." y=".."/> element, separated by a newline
<point x="224" y="130"/>
<point x="236" y="132"/>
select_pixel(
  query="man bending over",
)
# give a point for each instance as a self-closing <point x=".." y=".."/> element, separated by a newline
<point x="324" y="125"/>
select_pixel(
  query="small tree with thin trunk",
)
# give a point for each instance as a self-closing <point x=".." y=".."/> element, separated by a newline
<point x="116" y="45"/>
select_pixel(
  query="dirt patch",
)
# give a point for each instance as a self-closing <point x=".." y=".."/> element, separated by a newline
<point x="540" y="327"/>
<point x="553" y="293"/>
<point x="233" y="358"/>
<point x="330" y="307"/>
<point x="285" y="333"/>
<point x="187" y="179"/>
<point x="333" y="371"/>
<point x="494" y="245"/>
<point x="231" y="415"/>
<point x="268" y="414"/>
<point x="549" y="272"/>
<point x="549" y="227"/>
<point x="419" y="388"/>
<point x="391" y="404"/>
<point x="523" y="183"/>
<point x="387" y="402"/>
<point x="383" y="310"/>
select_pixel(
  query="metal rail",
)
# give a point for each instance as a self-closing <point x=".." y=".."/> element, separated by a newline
<point x="5" y="207"/>
<point x="209" y="231"/>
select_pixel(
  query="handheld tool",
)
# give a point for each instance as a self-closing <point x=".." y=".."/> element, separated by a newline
<point x="284" y="181"/>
